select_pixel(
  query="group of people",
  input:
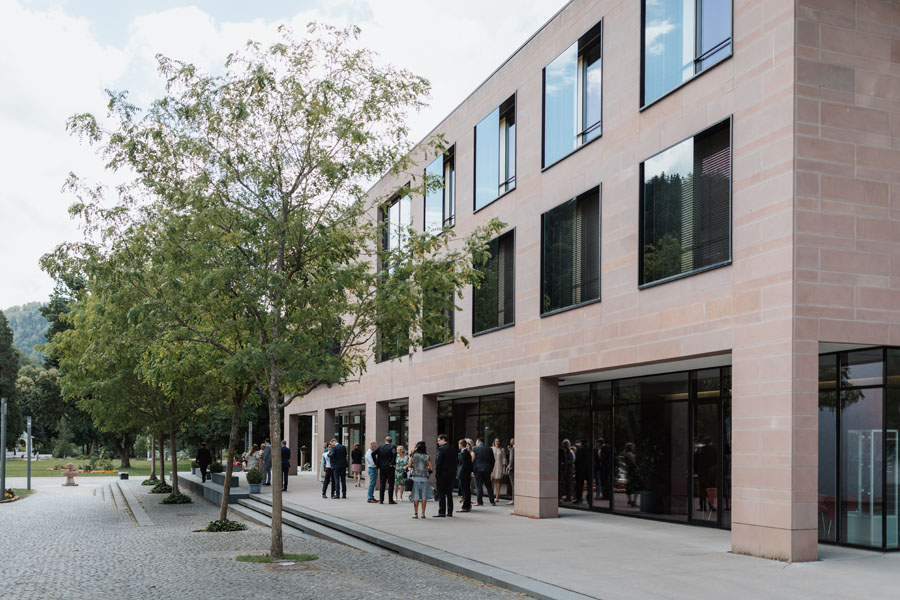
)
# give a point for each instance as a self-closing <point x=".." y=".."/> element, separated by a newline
<point x="574" y="470"/>
<point x="259" y="457"/>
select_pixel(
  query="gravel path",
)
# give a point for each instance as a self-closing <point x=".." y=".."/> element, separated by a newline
<point x="81" y="543"/>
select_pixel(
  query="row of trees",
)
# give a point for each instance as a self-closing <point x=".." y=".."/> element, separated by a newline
<point x="241" y="253"/>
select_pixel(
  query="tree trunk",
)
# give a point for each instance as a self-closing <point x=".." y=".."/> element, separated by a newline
<point x="124" y="453"/>
<point x="232" y="443"/>
<point x="152" y="456"/>
<point x="174" y="457"/>
<point x="276" y="548"/>
<point x="162" y="460"/>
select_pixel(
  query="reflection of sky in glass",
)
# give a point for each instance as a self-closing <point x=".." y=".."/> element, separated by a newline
<point x="593" y="81"/>
<point x="678" y="159"/>
<point x="434" y="197"/>
<point x="487" y="163"/>
<point x="668" y="46"/>
<point x="559" y="105"/>
<point x="715" y="24"/>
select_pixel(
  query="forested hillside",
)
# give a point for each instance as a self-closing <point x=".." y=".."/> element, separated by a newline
<point x="28" y="327"/>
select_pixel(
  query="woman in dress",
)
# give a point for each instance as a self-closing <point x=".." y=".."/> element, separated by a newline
<point x="356" y="457"/>
<point x="253" y="458"/>
<point x="400" y="473"/>
<point x="420" y="469"/>
<point x="499" y="467"/>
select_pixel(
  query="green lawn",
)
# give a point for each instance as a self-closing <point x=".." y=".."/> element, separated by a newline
<point x="18" y="467"/>
<point x="22" y="493"/>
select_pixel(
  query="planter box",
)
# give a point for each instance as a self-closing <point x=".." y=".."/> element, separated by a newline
<point x="254" y="488"/>
<point x="219" y="478"/>
<point x="123" y="475"/>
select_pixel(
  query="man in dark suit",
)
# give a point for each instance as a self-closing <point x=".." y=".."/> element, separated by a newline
<point x="285" y="464"/>
<point x="386" y="461"/>
<point x="444" y="470"/>
<point x="338" y="455"/>
<point x="464" y="475"/>
<point x="483" y="465"/>
<point x="204" y="459"/>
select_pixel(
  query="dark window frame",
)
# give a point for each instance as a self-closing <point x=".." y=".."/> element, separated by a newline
<point x="449" y="159"/>
<point x="513" y="100"/>
<point x="586" y="42"/>
<point x="511" y="233"/>
<point x="641" y="285"/>
<point x="546" y="313"/>
<point x="642" y="104"/>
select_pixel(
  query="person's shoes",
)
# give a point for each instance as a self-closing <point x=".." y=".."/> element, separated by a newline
<point x="449" y="514"/>
<point x="371" y="500"/>
<point x="323" y="497"/>
<point x="381" y="502"/>
<point x="391" y="502"/>
<point x="493" y="504"/>
<point x="439" y="515"/>
<point x="465" y="510"/>
<point x="478" y="504"/>
<point x="343" y="497"/>
<point x="414" y="517"/>
<point x="510" y="502"/>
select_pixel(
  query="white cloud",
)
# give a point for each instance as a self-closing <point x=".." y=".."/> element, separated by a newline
<point x="52" y="66"/>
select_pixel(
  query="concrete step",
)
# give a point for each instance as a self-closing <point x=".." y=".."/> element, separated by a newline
<point x="134" y="506"/>
<point x="259" y="518"/>
<point x="424" y="553"/>
<point x="307" y="527"/>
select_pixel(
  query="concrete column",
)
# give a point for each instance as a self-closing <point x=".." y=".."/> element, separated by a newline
<point x="325" y="431"/>
<point x="775" y="446"/>
<point x="537" y="422"/>
<point x="291" y="427"/>
<point x="423" y="420"/>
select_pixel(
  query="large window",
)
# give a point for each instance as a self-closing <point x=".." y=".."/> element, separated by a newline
<point x="572" y="97"/>
<point x="437" y="319"/>
<point x="440" y="192"/>
<point x="570" y="246"/>
<point x="494" y="300"/>
<point x="682" y="38"/>
<point x="495" y="153"/>
<point x="393" y="337"/>
<point x="859" y="456"/>
<point x="657" y="446"/>
<point x="686" y="206"/>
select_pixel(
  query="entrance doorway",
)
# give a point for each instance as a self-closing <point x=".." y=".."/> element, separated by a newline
<point x="350" y="426"/>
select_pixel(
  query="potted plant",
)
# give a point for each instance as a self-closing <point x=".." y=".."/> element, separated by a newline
<point x="216" y="467"/>
<point x="254" y="479"/>
<point x="194" y="467"/>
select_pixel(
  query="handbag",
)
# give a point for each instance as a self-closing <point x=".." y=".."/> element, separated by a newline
<point x="408" y="484"/>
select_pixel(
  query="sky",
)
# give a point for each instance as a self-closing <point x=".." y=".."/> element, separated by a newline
<point x="57" y="58"/>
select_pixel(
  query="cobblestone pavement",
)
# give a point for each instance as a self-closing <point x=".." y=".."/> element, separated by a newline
<point x="77" y="543"/>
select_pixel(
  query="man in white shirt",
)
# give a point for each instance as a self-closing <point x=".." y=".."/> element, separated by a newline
<point x="371" y="472"/>
<point x="329" y="471"/>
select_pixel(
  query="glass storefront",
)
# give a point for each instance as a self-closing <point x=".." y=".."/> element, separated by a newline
<point x="398" y="424"/>
<point x="859" y="420"/>
<point x="656" y="446"/>
<point x="350" y="427"/>
<point x="487" y="417"/>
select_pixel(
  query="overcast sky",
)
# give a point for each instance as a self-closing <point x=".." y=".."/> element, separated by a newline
<point x="57" y="57"/>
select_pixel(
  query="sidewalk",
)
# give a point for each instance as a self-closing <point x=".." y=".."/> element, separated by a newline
<point x="615" y="557"/>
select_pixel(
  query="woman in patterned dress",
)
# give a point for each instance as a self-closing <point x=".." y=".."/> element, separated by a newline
<point x="400" y="473"/>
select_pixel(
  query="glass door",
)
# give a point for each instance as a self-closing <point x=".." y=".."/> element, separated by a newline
<point x="706" y="480"/>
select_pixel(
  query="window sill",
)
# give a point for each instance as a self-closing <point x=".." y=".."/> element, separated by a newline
<point x="684" y="83"/>
<point x="438" y="345"/>
<point x="565" y="156"/>
<point x="506" y="193"/>
<point x="556" y="311"/>
<point x="718" y="265"/>
<point x="493" y="329"/>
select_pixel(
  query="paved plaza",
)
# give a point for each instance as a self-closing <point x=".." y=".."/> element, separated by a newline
<point x="615" y="557"/>
<point x="81" y="543"/>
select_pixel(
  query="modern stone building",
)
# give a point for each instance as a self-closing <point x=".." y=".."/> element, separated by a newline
<point x="700" y="279"/>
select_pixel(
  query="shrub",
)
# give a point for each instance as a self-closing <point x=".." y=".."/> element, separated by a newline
<point x="161" y="488"/>
<point x="8" y="494"/>
<point x="225" y="525"/>
<point x="152" y="480"/>
<point x="216" y="467"/>
<point x="254" y="476"/>
<point x="176" y="498"/>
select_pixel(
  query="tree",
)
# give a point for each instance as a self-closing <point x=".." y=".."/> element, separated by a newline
<point x="9" y="369"/>
<point x="38" y="390"/>
<point x="28" y="327"/>
<point x="256" y="179"/>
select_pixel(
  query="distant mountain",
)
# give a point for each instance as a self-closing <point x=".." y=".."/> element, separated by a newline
<point x="29" y="328"/>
